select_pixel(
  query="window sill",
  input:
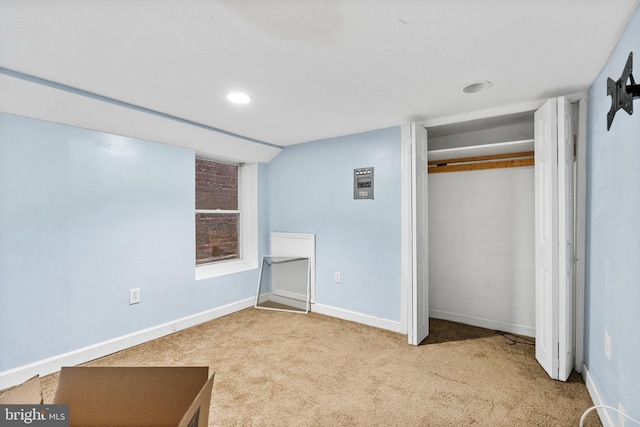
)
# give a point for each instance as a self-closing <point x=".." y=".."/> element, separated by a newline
<point x="223" y="268"/>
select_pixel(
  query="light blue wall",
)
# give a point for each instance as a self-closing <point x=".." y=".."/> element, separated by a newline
<point x="84" y="217"/>
<point x="613" y="236"/>
<point x="311" y="191"/>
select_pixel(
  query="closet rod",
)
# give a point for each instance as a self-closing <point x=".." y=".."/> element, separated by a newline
<point x="508" y="160"/>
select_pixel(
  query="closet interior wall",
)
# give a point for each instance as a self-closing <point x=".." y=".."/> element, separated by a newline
<point x="481" y="229"/>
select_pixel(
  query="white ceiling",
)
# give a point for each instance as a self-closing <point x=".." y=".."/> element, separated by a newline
<point x="315" y="69"/>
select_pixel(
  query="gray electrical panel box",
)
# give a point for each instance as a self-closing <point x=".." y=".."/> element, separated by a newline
<point x="363" y="183"/>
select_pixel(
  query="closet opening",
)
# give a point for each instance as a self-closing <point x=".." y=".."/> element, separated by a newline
<point x="482" y="222"/>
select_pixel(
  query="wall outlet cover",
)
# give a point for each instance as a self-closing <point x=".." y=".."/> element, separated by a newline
<point x="134" y="296"/>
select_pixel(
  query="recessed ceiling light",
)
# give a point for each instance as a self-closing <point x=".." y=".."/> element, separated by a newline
<point x="239" y="98"/>
<point x="475" y="87"/>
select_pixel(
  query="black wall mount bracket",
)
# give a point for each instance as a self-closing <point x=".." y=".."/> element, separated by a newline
<point x="622" y="93"/>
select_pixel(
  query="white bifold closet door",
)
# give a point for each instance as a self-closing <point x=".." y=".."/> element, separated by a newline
<point x="554" y="263"/>
<point x="418" y="316"/>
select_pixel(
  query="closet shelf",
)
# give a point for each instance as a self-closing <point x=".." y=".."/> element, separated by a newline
<point x="478" y="157"/>
<point x="482" y="150"/>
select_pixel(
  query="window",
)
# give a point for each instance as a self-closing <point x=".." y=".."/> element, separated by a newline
<point x="217" y="212"/>
<point x="226" y="218"/>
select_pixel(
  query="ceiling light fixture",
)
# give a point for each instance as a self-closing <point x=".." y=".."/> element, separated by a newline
<point x="475" y="87"/>
<point x="239" y="98"/>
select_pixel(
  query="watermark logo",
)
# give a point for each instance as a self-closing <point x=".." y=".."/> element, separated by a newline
<point x="34" y="415"/>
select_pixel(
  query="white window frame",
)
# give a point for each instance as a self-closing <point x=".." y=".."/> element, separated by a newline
<point x="248" y="233"/>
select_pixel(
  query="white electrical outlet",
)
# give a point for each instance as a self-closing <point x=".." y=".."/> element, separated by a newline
<point x="336" y="276"/>
<point x="607" y="345"/>
<point x="134" y="296"/>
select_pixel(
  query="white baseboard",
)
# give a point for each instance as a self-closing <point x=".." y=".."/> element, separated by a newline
<point x="356" y="317"/>
<point x="291" y="302"/>
<point x="20" y="374"/>
<point x="605" y="417"/>
<point x="483" y="323"/>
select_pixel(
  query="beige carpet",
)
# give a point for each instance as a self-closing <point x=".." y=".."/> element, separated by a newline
<point x="286" y="369"/>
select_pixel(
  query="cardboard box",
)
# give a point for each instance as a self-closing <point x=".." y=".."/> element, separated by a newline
<point x="131" y="396"/>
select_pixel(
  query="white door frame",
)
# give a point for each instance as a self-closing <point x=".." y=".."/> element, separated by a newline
<point x="580" y="229"/>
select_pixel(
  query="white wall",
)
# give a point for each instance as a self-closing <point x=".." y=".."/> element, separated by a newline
<point x="481" y="240"/>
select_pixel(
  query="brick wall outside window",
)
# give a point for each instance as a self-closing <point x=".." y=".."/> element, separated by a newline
<point x="217" y="234"/>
